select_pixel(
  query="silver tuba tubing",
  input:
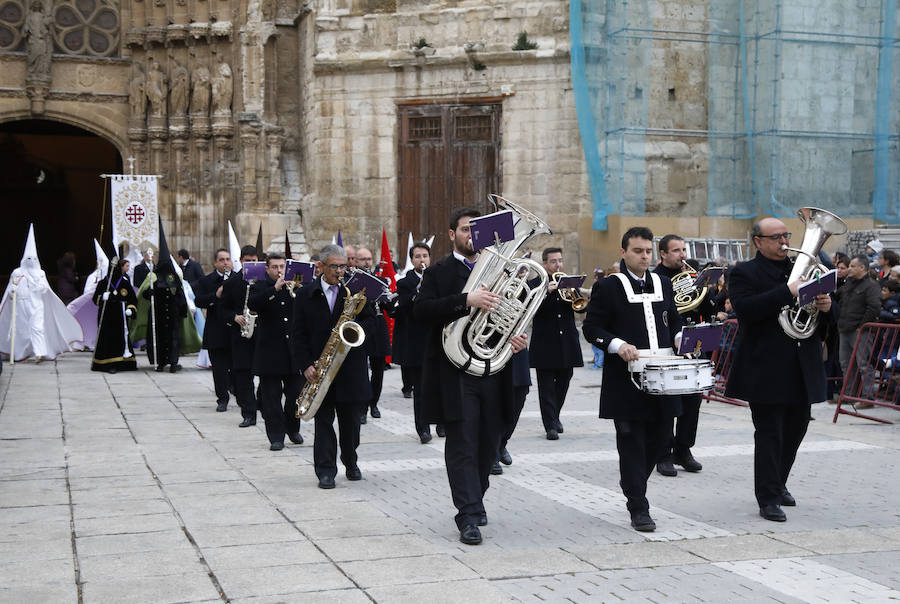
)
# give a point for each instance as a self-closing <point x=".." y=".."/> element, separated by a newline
<point x="800" y="322"/>
<point x="479" y="342"/>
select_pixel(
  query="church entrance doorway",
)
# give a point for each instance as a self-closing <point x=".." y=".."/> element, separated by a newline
<point x="51" y="177"/>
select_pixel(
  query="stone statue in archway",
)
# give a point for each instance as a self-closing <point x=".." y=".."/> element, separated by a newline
<point x="157" y="90"/>
<point x="39" y="42"/>
<point x="200" y="91"/>
<point x="222" y="89"/>
<point x="137" y="93"/>
<point x="178" y="92"/>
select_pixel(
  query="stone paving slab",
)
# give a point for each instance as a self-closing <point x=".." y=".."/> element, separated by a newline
<point x="260" y="555"/>
<point x="282" y="579"/>
<point x="399" y="571"/>
<point x="481" y="591"/>
<point x="188" y="587"/>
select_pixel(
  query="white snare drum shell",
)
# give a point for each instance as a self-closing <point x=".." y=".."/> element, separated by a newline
<point x="677" y="377"/>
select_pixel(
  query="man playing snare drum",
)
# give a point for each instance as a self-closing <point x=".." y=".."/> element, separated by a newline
<point x="632" y="315"/>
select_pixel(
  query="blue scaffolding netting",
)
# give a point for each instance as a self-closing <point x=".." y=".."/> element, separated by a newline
<point x="798" y="103"/>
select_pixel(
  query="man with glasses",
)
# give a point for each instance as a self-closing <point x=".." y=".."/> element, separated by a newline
<point x="860" y="300"/>
<point x="778" y="375"/>
<point x="317" y="309"/>
<point x="216" y="335"/>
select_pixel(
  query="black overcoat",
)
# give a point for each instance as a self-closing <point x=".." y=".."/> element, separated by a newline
<point x="705" y="311"/>
<point x="273" y="354"/>
<point x="312" y="326"/>
<point x="140" y="273"/>
<point x="610" y="316"/>
<point x="409" y="336"/>
<point x="192" y="271"/>
<point x="438" y="303"/>
<point x="233" y="292"/>
<point x="379" y="345"/>
<point x="554" y="337"/>
<point x="216" y="333"/>
<point x="769" y="366"/>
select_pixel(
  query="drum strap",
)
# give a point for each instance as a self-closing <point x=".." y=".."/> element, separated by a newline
<point x="647" y="301"/>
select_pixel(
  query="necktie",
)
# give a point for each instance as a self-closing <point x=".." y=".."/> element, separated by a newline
<point x="471" y="265"/>
<point x="332" y="296"/>
<point x="641" y="284"/>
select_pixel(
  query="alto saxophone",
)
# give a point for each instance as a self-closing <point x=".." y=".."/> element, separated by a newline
<point x="345" y="334"/>
<point x="249" y="317"/>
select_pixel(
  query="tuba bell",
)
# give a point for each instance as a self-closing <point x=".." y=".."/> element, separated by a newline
<point x="799" y="322"/>
<point x="479" y="342"/>
<point x="687" y="297"/>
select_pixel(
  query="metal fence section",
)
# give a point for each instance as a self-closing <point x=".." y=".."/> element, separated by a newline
<point x="722" y="360"/>
<point x="872" y="378"/>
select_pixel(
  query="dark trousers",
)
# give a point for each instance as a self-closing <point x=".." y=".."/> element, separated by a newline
<point x="415" y="384"/>
<point x="641" y="445"/>
<point x="325" y="444"/>
<point x="243" y="392"/>
<point x="408" y="378"/>
<point x="221" y="368"/>
<point x="279" y="420"/>
<point x="779" y="430"/>
<point x="472" y="444"/>
<point x="685" y="433"/>
<point x="376" y="365"/>
<point x="553" y="384"/>
<point x="519" y="394"/>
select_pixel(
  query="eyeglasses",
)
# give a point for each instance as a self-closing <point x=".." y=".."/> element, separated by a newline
<point x="337" y="267"/>
<point x="776" y="236"/>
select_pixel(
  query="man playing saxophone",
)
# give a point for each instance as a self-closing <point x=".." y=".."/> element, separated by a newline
<point x="475" y="411"/>
<point x="235" y="293"/>
<point x="273" y="359"/>
<point x="317" y="308"/>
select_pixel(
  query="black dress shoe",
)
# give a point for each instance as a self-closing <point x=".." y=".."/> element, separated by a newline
<point x="470" y="535"/>
<point x="788" y="499"/>
<point x="772" y="512"/>
<point x="552" y="434"/>
<point x="425" y="437"/>
<point x="559" y="427"/>
<point x="222" y="407"/>
<point x="666" y="468"/>
<point x="354" y="473"/>
<point x="482" y="519"/>
<point x="496" y="468"/>
<point x="276" y="446"/>
<point x="641" y="521"/>
<point x="326" y="482"/>
<point x="362" y="418"/>
<point x="175" y="368"/>
<point x="687" y="461"/>
<point x="296" y="438"/>
<point x="440" y="430"/>
<point x="505" y="457"/>
<point x="407" y="394"/>
<point x="375" y="412"/>
<point x="160" y="369"/>
<point x="248" y="421"/>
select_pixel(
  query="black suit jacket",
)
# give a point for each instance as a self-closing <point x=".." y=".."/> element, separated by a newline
<point x="233" y="293"/>
<point x="705" y="311"/>
<point x="609" y="316"/>
<point x="438" y="303"/>
<point x="140" y="273"/>
<point x="192" y="271"/>
<point x="769" y="366"/>
<point x="273" y="354"/>
<point x="312" y="326"/>
<point x="216" y="334"/>
<point x="554" y="337"/>
<point x="409" y="337"/>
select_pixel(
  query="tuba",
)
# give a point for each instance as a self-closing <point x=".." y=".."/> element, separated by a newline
<point x="570" y="294"/>
<point x="345" y="334"/>
<point x="799" y="322"/>
<point x="687" y="297"/>
<point x="479" y="342"/>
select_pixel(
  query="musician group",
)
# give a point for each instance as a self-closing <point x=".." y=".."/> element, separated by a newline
<point x="277" y="331"/>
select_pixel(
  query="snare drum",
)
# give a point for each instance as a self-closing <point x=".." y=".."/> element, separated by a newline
<point x="676" y="376"/>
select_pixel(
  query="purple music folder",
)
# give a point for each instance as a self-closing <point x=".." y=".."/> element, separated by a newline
<point x="491" y="229"/>
<point x="253" y="271"/>
<point x="299" y="271"/>
<point x="571" y="281"/>
<point x="708" y="335"/>
<point x="373" y="286"/>
<point x="708" y="276"/>
<point x="825" y="284"/>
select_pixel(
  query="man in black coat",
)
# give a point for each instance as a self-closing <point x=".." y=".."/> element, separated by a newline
<point x="378" y="346"/>
<point x="317" y="309"/>
<point x="860" y="300"/>
<point x="191" y="269"/>
<point x="778" y="375"/>
<point x="672" y="254"/>
<point x="144" y="268"/>
<point x="631" y="315"/>
<point x="409" y="338"/>
<point x="475" y="411"/>
<point x="555" y="349"/>
<point x="235" y="293"/>
<point x="216" y="334"/>
<point x="273" y="356"/>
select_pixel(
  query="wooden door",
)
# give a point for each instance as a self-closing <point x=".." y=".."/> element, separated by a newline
<point x="449" y="157"/>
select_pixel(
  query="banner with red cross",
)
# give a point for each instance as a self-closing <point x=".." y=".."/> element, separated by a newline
<point x="135" y="211"/>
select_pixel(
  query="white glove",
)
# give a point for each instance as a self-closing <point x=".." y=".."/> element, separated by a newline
<point x="106" y="295"/>
<point x="128" y="312"/>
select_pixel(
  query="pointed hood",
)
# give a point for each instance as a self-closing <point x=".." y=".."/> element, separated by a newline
<point x="30" y="257"/>
<point x="409" y="265"/>
<point x="287" y="246"/>
<point x="234" y="248"/>
<point x="259" y="245"/>
<point x="339" y="242"/>
<point x="102" y="260"/>
<point x="165" y="268"/>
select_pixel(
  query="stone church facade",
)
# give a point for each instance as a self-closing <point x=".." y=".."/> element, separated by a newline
<point x="311" y="117"/>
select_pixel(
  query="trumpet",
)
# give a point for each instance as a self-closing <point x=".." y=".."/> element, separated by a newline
<point x="297" y="281"/>
<point x="570" y="294"/>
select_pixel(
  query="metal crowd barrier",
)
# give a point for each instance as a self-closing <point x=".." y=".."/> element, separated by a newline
<point x="872" y="376"/>
<point x="722" y="360"/>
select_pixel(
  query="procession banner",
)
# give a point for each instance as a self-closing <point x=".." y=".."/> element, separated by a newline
<point x="135" y="211"/>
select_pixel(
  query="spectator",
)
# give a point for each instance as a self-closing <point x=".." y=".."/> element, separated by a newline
<point x="860" y="303"/>
<point x="890" y="301"/>
<point x="886" y="260"/>
<point x="841" y="263"/>
<point x="873" y="248"/>
<point x="190" y="268"/>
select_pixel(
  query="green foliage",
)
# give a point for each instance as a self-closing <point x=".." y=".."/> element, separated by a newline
<point x="421" y="43"/>
<point x="478" y="66"/>
<point x="523" y="43"/>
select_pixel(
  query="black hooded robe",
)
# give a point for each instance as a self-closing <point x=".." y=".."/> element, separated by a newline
<point x="168" y="308"/>
<point x="113" y="351"/>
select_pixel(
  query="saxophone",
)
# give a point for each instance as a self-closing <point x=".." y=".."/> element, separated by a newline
<point x="249" y="317"/>
<point x="479" y="342"/>
<point x="345" y="334"/>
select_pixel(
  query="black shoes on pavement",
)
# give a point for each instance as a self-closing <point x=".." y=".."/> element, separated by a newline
<point x="788" y="499"/>
<point x="559" y="427"/>
<point x="425" y="437"/>
<point x="276" y="446"/>
<point x="222" y="407"/>
<point x="642" y="522"/>
<point x="375" y="412"/>
<point x="687" y="461"/>
<point x="247" y="422"/>
<point x="505" y="457"/>
<point x="354" y="473"/>
<point x="772" y="512"/>
<point x="496" y="468"/>
<point x="296" y="438"/>
<point x="470" y="535"/>
<point x="326" y="482"/>
<point x="552" y="434"/>
<point x="666" y="467"/>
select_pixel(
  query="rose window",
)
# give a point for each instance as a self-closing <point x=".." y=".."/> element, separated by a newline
<point x="12" y="18"/>
<point x="87" y="27"/>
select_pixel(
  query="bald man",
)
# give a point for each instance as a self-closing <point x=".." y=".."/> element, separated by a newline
<point x="778" y="375"/>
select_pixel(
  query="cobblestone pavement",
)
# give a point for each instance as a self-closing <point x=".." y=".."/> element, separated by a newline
<point x="131" y="488"/>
